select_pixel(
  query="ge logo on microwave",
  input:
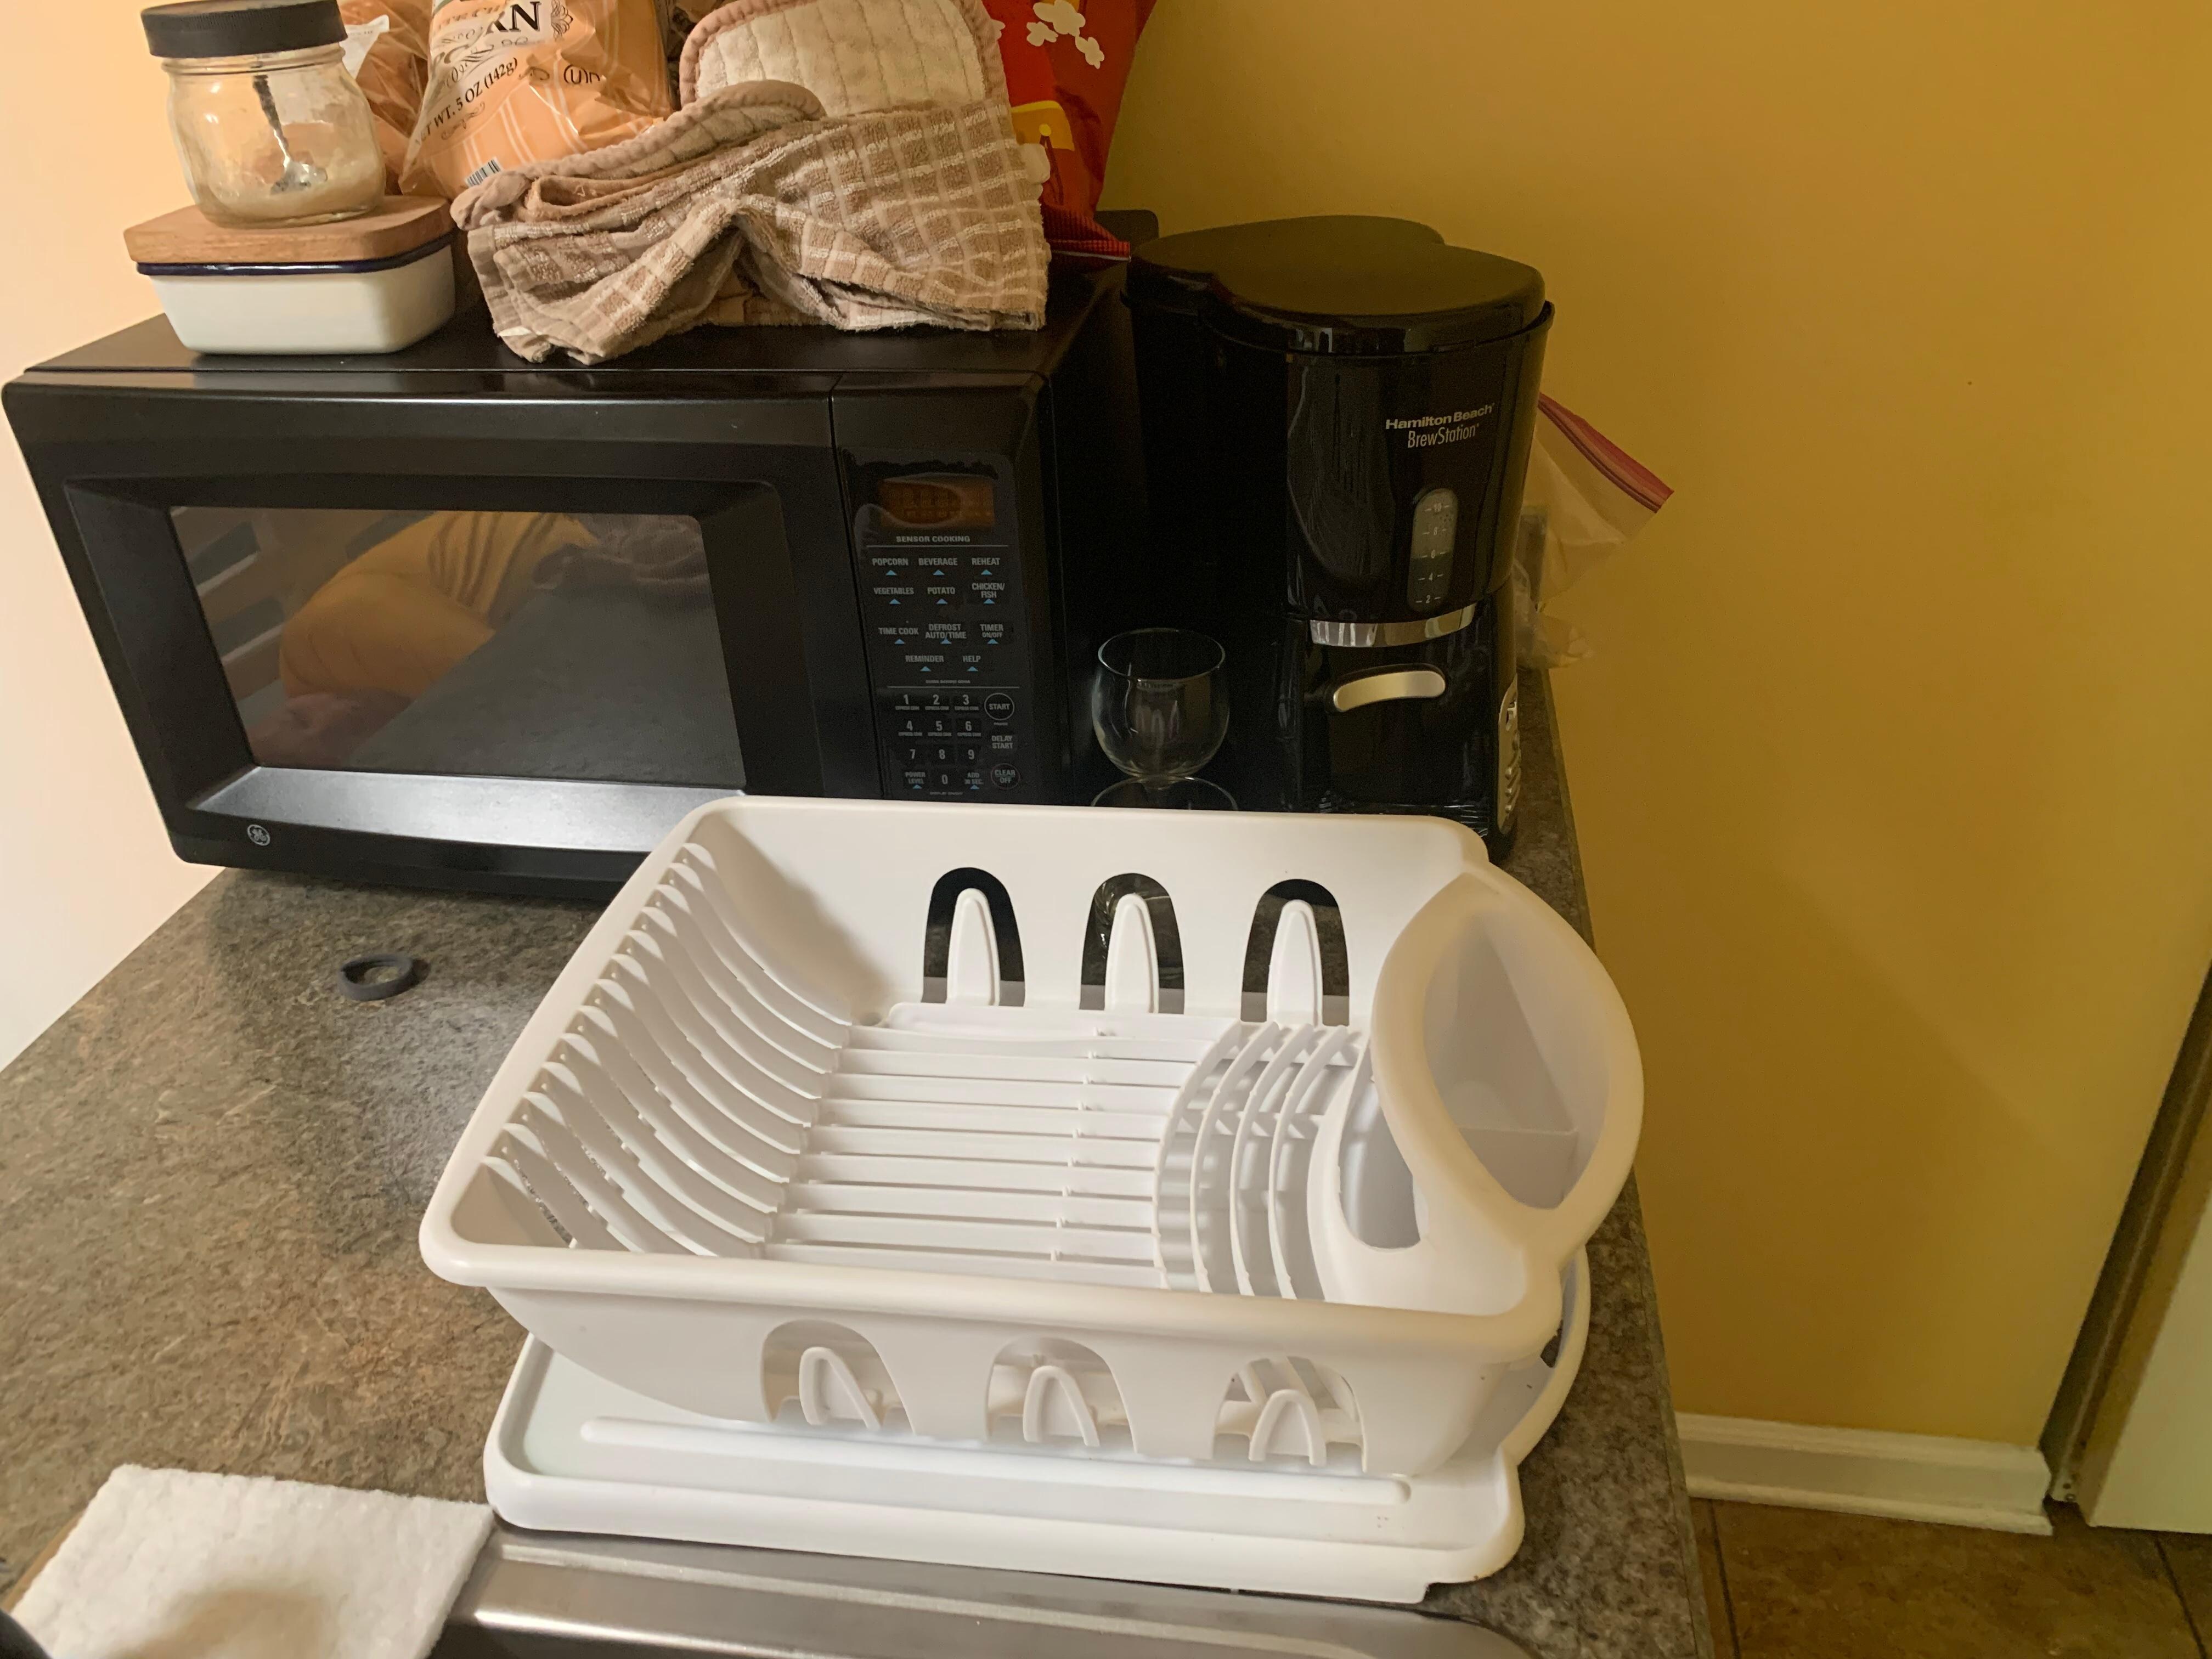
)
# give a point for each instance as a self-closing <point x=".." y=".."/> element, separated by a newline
<point x="256" y="835"/>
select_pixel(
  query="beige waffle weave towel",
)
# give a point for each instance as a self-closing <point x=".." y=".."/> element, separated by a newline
<point x="754" y="204"/>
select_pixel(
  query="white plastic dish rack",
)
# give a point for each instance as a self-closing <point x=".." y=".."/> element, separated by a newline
<point x="1016" y="1173"/>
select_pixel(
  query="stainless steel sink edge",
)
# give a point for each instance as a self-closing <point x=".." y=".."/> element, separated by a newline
<point x="561" y="1595"/>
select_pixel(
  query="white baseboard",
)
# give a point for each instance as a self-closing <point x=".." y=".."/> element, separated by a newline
<point x="1906" y="1477"/>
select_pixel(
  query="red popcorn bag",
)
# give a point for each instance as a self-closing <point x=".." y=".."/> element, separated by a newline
<point x="1066" y="64"/>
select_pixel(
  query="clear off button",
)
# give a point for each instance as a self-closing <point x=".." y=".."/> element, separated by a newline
<point x="1005" y="775"/>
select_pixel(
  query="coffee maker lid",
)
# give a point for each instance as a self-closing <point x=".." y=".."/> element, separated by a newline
<point x="1341" y="284"/>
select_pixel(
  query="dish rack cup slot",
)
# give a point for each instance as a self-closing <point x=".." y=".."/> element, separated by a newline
<point x="1133" y="948"/>
<point x="972" y="945"/>
<point x="1297" y="967"/>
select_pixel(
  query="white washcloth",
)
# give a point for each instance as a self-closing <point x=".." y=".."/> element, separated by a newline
<point x="164" y="1564"/>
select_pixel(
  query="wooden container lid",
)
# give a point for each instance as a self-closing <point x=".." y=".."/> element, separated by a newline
<point x="189" y="237"/>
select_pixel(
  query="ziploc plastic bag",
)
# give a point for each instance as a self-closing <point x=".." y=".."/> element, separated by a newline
<point x="1586" y="498"/>
<point x="385" y="54"/>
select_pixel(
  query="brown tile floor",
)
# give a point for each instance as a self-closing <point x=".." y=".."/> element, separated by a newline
<point x="2189" y="1556"/>
<point x="1802" y="1584"/>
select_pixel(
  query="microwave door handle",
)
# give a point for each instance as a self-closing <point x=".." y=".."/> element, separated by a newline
<point x="761" y="621"/>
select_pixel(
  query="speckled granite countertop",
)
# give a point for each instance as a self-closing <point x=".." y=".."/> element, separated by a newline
<point x="212" y="1167"/>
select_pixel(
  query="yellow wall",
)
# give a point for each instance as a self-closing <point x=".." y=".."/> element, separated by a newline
<point x="1891" y="771"/>
<point x="85" y="870"/>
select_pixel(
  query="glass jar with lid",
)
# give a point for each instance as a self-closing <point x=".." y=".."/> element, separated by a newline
<point x="271" y="128"/>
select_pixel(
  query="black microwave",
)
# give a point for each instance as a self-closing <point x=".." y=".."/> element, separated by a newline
<point x="447" y="618"/>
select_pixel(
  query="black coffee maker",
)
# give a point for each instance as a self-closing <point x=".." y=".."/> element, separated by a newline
<point x="1337" y="415"/>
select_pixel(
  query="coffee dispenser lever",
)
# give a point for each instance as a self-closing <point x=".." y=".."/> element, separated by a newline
<point x="1385" y="685"/>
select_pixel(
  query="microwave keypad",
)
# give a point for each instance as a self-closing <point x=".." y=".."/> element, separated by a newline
<point x="948" y="647"/>
<point x="954" y="743"/>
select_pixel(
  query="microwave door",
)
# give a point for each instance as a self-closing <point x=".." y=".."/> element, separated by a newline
<point x="527" y="679"/>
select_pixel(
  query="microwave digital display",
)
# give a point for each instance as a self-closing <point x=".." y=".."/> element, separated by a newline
<point x="937" y="501"/>
<point x="498" y="644"/>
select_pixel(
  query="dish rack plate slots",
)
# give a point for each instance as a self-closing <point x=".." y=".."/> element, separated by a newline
<point x="898" y="1185"/>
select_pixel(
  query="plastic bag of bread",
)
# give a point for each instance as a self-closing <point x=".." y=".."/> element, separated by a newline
<point x="388" y="49"/>
<point x="516" y="81"/>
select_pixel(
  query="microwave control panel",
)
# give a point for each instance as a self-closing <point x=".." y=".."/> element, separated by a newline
<point x="948" y="632"/>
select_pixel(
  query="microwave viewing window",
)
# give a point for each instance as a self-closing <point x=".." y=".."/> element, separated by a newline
<point x="529" y="645"/>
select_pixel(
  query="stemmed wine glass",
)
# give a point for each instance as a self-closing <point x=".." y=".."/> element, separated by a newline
<point x="1160" y="707"/>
